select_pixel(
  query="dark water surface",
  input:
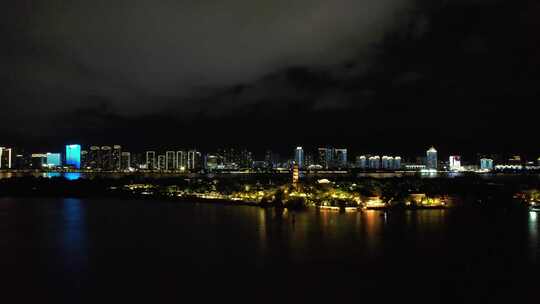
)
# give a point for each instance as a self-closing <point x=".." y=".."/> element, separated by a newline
<point x="77" y="250"/>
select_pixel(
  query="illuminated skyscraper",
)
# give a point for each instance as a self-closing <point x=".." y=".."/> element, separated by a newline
<point x="73" y="156"/>
<point x="170" y="160"/>
<point x="454" y="163"/>
<point x="326" y="157"/>
<point x="299" y="157"/>
<point x="116" y="157"/>
<point x="150" y="160"/>
<point x="431" y="159"/>
<point x="387" y="162"/>
<point x="6" y="158"/>
<point x="375" y="162"/>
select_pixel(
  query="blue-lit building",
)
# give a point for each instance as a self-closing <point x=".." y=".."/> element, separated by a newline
<point x="54" y="160"/>
<point x="486" y="164"/>
<point x="431" y="159"/>
<point x="73" y="156"/>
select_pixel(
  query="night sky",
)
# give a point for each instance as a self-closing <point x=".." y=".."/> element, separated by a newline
<point x="392" y="76"/>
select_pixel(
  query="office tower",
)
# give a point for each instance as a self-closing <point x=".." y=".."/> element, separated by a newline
<point x="397" y="163"/>
<point x="375" y="162"/>
<point x="151" y="160"/>
<point x="387" y="162"/>
<point x="431" y="159"/>
<point x="125" y="161"/>
<point x="116" y="157"/>
<point x="20" y="162"/>
<point x="299" y="157"/>
<point x="94" y="158"/>
<point x="308" y="160"/>
<point x="6" y="158"/>
<point x="106" y="158"/>
<point x="170" y="160"/>
<point x="361" y="162"/>
<point x="181" y="160"/>
<point x="454" y="163"/>
<point x="161" y="162"/>
<point x="73" y="156"/>
<point x="194" y="160"/>
<point x="271" y="159"/>
<point x="340" y="156"/>
<point x="54" y="160"/>
<point x="84" y="159"/>
<point x="486" y="164"/>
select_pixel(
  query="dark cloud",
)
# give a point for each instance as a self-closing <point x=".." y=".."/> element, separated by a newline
<point x="246" y="71"/>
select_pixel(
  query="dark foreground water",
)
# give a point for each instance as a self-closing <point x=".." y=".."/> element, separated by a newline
<point x="100" y="251"/>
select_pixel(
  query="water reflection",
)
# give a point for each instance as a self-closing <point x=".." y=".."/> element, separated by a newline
<point x="75" y="235"/>
<point x="533" y="235"/>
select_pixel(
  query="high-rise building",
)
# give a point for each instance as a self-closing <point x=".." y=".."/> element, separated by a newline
<point x="73" y="156"/>
<point x="150" y="160"/>
<point x="361" y="162"/>
<point x="397" y="163"/>
<point x="454" y="163"/>
<point x="431" y="159"/>
<point x="161" y="162"/>
<point x="181" y="160"/>
<point x="117" y="157"/>
<point x="170" y="160"/>
<point x="107" y="158"/>
<point x="486" y="164"/>
<point x="6" y="158"/>
<point x="54" y="160"/>
<point x="194" y="160"/>
<point x="387" y="162"/>
<point x="340" y="156"/>
<point x="94" y="158"/>
<point x="299" y="157"/>
<point x="125" y="161"/>
<point x="375" y="162"/>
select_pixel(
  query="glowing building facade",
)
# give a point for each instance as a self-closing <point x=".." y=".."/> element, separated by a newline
<point x="73" y="156"/>
<point x="431" y="159"/>
<point x="454" y="163"/>
<point x="486" y="164"/>
<point x="54" y="160"/>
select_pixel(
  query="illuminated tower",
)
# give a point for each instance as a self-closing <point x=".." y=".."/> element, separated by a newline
<point x="431" y="159"/>
<point x="299" y="157"/>
<point x="455" y="162"/>
<point x="296" y="174"/>
<point x="73" y="156"/>
<point x="125" y="161"/>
